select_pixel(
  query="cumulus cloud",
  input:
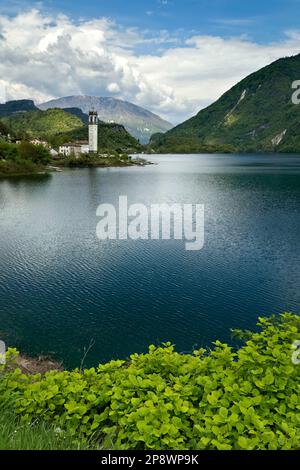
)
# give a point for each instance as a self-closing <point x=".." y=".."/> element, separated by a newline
<point x="44" y="57"/>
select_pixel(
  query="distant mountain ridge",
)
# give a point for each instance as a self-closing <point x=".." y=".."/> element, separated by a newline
<point x="255" y="115"/>
<point x="138" y="121"/>
<point x="16" y="106"/>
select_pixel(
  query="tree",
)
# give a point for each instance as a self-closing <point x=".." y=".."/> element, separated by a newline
<point x="3" y="129"/>
<point x="8" y="151"/>
<point x="35" y="153"/>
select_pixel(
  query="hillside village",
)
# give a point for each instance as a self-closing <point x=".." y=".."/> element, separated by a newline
<point x="35" y="141"/>
<point x="76" y="148"/>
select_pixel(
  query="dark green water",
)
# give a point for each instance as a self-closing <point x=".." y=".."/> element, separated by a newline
<point x="60" y="287"/>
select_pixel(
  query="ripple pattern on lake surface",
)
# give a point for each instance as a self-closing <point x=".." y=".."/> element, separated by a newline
<point x="60" y="286"/>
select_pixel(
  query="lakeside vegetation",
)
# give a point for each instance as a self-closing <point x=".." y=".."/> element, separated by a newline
<point x="57" y="127"/>
<point x="28" y="159"/>
<point x="109" y="159"/>
<point x="218" y="399"/>
<point x="22" y="159"/>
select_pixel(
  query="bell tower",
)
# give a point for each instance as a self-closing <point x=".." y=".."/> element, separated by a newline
<point x="93" y="131"/>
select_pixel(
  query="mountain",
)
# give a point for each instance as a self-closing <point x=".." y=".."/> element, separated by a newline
<point x="58" y="126"/>
<point x="12" y="107"/>
<point x="77" y="112"/>
<point x="138" y="121"/>
<point x="257" y="115"/>
<point x="42" y="124"/>
<point x="110" y="137"/>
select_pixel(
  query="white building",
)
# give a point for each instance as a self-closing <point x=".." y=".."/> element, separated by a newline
<point x="74" y="148"/>
<point x="93" y="131"/>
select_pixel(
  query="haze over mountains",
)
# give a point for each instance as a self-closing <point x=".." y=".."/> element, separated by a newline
<point x="138" y="121"/>
<point x="255" y="115"/>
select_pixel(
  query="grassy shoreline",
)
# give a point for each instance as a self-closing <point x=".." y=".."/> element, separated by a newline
<point x="100" y="161"/>
<point x="28" y="168"/>
<point x="24" y="168"/>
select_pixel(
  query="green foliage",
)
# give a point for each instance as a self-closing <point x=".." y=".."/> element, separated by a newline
<point x="23" y="158"/>
<point x="8" y="151"/>
<point x="35" y="153"/>
<point x="42" y="124"/>
<point x="247" y="118"/>
<point x="58" y="126"/>
<point x="94" y="161"/>
<point x="111" y="137"/>
<point x="4" y="130"/>
<point x="18" y="167"/>
<point x="219" y="399"/>
<point x="33" y="436"/>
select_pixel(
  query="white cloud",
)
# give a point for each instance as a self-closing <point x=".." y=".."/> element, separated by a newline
<point x="113" y="88"/>
<point x="43" y="57"/>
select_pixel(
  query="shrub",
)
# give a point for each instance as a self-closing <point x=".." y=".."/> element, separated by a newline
<point x="219" y="399"/>
<point x="17" y="167"/>
<point x="35" y="153"/>
<point x="8" y="151"/>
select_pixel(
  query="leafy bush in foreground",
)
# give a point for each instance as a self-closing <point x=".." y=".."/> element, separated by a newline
<point x="220" y="399"/>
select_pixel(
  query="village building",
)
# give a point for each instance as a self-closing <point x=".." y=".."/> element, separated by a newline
<point x="83" y="147"/>
<point x="74" y="148"/>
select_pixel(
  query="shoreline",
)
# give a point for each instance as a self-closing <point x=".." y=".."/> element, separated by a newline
<point x="37" y="365"/>
<point x="59" y="166"/>
<point x="116" y="162"/>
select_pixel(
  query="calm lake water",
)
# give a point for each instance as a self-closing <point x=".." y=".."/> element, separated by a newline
<point x="60" y="287"/>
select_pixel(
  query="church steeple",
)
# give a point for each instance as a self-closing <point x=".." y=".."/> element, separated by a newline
<point x="93" y="131"/>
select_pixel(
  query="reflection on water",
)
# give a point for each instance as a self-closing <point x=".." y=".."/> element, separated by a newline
<point x="60" y="286"/>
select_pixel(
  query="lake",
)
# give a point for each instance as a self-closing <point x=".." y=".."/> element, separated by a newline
<point x="62" y="288"/>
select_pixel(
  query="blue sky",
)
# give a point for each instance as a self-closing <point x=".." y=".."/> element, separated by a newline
<point x="172" y="56"/>
<point x="261" y="20"/>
